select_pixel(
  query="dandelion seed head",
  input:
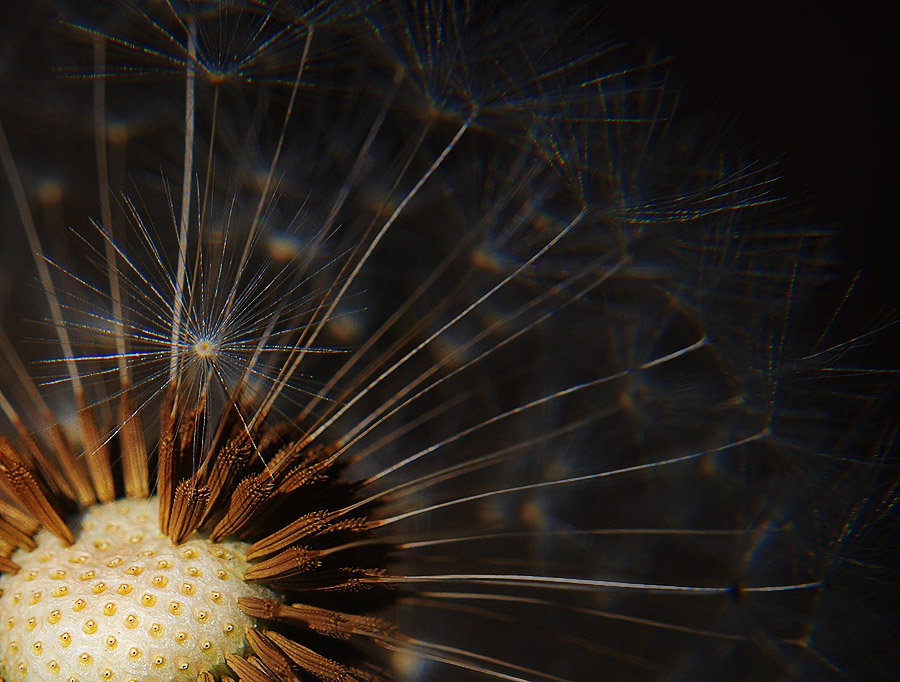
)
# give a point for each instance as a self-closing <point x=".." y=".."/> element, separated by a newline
<point x="494" y="365"/>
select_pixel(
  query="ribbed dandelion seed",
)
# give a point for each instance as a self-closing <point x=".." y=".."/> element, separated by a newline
<point x="402" y="341"/>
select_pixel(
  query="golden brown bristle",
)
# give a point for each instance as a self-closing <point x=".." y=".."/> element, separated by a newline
<point x="134" y="449"/>
<point x="324" y="621"/>
<point x="306" y="525"/>
<point x="275" y="661"/>
<point x="15" y="536"/>
<point x="247" y="670"/>
<point x="7" y="565"/>
<point x="72" y="467"/>
<point x="291" y="562"/>
<point x="249" y="496"/>
<point x="188" y="508"/>
<point x="33" y="496"/>
<point x="229" y="463"/>
<point x="96" y="454"/>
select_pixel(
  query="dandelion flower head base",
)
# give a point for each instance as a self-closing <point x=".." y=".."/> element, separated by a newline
<point x="123" y="602"/>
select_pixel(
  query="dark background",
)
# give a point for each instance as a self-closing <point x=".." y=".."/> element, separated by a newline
<point x="809" y="84"/>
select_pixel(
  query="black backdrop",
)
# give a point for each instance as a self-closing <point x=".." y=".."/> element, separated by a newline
<point x="811" y="84"/>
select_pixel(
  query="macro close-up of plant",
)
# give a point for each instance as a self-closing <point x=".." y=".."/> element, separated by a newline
<point x="405" y="342"/>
